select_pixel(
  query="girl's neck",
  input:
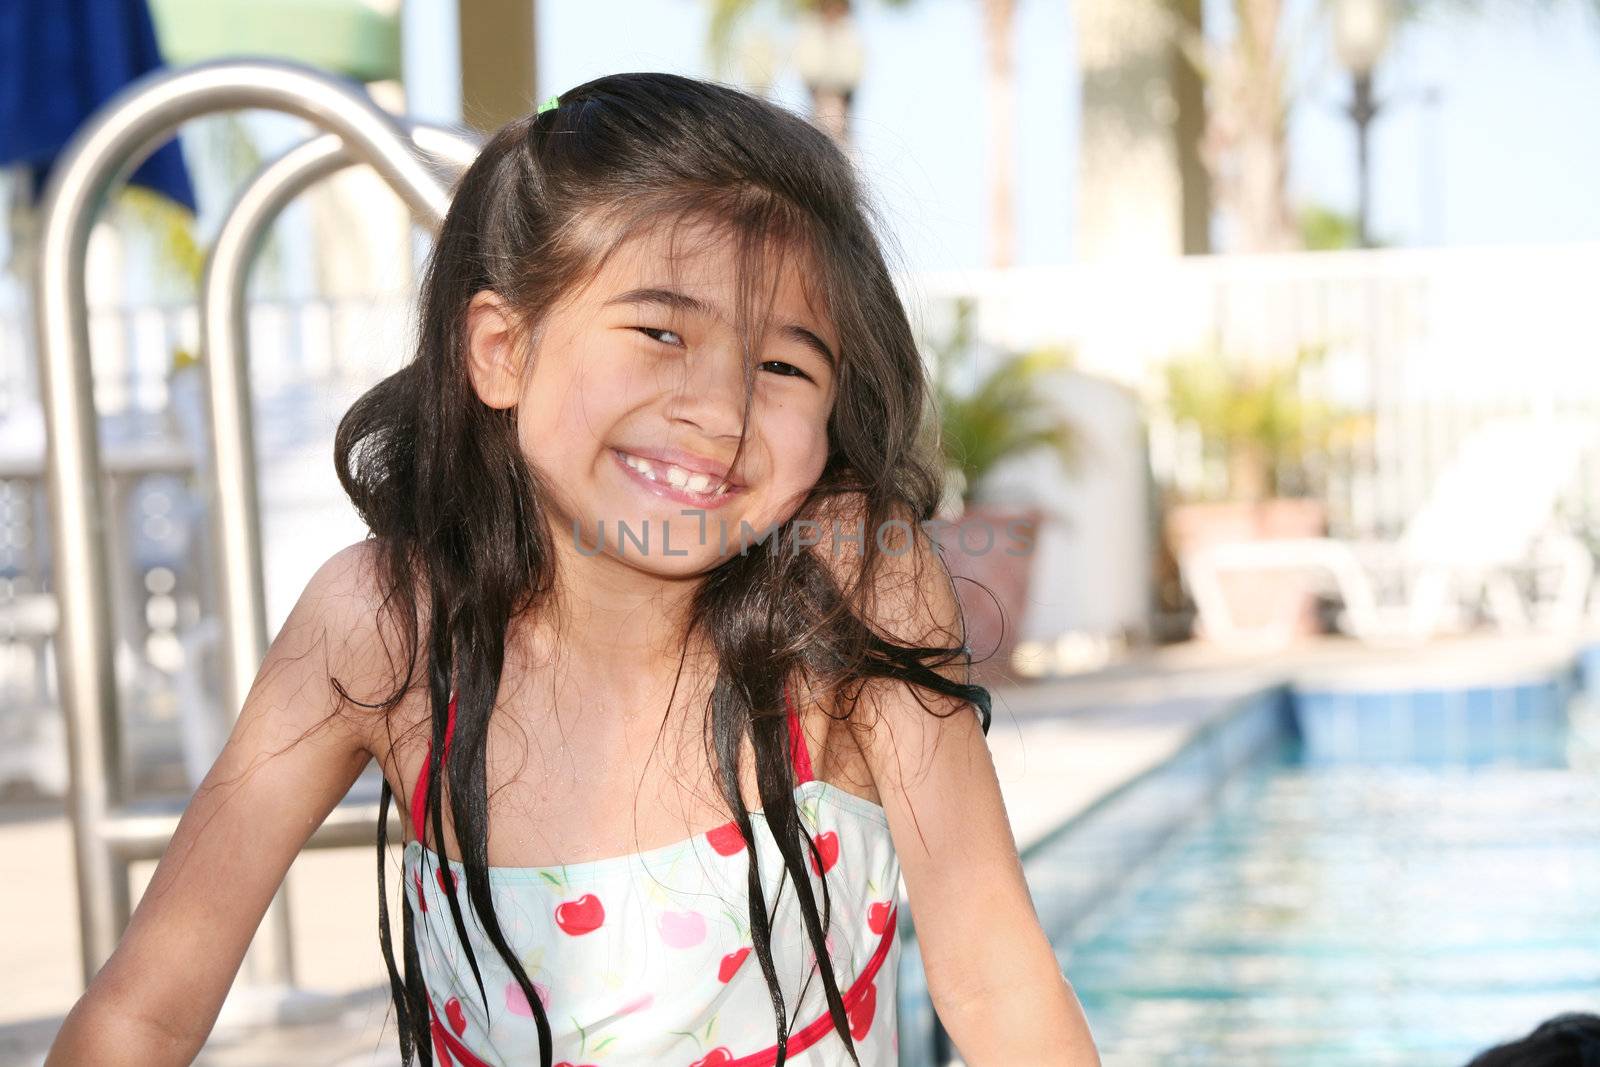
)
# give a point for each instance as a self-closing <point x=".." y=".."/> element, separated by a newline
<point x="611" y="622"/>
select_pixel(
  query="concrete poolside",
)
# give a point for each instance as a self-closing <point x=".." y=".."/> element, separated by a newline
<point x="1059" y="746"/>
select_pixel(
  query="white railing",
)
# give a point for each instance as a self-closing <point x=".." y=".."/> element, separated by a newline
<point x="1428" y="344"/>
<point x="310" y="358"/>
<point x="300" y="344"/>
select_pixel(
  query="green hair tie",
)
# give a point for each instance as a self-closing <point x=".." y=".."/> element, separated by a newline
<point x="554" y="101"/>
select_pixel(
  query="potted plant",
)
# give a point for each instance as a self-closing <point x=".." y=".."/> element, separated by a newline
<point x="1260" y="426"/>
<point x="989" y="546"/>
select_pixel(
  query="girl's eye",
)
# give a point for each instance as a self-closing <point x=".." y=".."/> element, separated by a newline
<point x="787" y="370"/>
<point x="792" y="370"/>
<point x="651" y="331"/>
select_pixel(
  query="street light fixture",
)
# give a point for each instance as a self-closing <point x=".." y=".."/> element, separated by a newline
<point x="830" y="58"/>
<point x="1361" y="32"/>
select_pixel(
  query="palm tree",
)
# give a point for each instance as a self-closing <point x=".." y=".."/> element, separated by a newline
<point x="1244" y="145"/>
<point x="1256" y="77"/>
<point x="999" y="32"/>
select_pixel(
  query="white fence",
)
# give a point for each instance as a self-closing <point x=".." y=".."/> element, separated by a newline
<point x="309" y="360"/>
<point x="1427" y="343"/>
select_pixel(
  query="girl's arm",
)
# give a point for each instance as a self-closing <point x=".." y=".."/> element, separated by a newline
<point x="288" y="761"/>
<point x="992" y="974"/>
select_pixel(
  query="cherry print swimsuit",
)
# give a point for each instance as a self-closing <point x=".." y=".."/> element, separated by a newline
<point x="646" y="958"/>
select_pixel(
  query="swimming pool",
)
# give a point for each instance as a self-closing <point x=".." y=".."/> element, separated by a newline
<point x="1406" y="878"/>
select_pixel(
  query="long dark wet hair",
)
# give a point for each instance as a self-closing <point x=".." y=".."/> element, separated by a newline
<point x="463" y="539"/>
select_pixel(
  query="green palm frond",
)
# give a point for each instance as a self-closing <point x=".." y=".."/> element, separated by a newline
<point x="1240" y="407"/>
<point x="1003" y="415"/>
<point x="172" y="226"/>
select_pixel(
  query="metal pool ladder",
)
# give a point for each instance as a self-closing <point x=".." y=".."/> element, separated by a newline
<point x="420" y="163"/>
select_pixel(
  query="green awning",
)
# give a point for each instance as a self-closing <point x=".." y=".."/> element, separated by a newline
<point x="357" y="38"/>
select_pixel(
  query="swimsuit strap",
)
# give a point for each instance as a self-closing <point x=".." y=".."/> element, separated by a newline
<point x="797" y="743"/>
<point x="419" y="799"/>
<point x="419" y="795"/>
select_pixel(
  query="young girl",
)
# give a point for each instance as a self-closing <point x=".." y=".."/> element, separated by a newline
<point x="648" y="641"/>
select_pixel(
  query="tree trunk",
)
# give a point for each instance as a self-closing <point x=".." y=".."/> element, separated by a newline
<point x="1139" y="134"/>
<point x="827" y="31"/>
<point x="1247" y="143"/>
<point x="497" y="54"/>
<point x="999" y="26"/>
<point x="831" y="111"/>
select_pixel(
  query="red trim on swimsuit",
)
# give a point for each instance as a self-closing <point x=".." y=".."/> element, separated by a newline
<point x="822" y="1025"/>
<point x="799" y="1040"/>
<point x="443" y="1037"/>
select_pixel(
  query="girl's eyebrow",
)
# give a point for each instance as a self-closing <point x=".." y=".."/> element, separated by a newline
<point x="694" y="305"/>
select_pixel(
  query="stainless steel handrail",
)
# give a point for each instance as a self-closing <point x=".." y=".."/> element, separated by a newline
<point x="237" y="524"/>
<point x="103" y="152"/>
<point x="224" y="342"/>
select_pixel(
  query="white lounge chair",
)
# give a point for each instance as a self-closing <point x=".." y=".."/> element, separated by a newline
<point x="1491" y="513"/>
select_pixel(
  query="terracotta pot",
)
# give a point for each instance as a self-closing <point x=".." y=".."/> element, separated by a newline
<point x="1282" y="601"/>
<point x="990" y="551"/>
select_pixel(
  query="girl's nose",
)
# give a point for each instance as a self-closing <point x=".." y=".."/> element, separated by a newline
<point x="711" y="396"/>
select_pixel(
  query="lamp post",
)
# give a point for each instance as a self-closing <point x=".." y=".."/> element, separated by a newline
<point x="1361" y="30"/>
<point x="829" y="57"/>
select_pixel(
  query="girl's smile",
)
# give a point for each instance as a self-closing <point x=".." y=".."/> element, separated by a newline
<point x="693" y="488"/>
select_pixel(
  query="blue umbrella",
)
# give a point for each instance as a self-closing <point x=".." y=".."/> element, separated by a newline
<point x="60" y="60"/>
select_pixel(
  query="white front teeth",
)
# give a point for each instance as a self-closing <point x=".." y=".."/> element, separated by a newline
<point x="675" y="476"/>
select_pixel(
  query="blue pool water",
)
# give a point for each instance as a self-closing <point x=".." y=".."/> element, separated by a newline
<point x="1358" y="914"/>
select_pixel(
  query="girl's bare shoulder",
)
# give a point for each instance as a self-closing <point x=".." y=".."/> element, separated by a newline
<point x="358" y="625"/>
<point x="909" y="599"/>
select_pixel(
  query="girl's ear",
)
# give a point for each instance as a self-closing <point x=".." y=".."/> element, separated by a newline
<point x="493" y="357"/>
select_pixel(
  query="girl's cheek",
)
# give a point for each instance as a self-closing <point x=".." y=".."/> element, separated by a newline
<point x="815" y="452"/>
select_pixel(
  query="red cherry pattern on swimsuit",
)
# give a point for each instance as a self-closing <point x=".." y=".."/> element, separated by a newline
<point x="647" y="958"/>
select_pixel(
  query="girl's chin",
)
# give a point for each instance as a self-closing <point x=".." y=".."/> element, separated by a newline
<point x="664" y="538"/>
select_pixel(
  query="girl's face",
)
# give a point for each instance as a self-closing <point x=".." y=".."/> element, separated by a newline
<point x="634" y="404"/>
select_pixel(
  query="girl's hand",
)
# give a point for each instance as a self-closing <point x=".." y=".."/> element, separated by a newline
<point x="992" y="974"/>
<point x="289" y="760"/>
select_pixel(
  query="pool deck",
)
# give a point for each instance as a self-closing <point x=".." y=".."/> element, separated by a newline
<point x="1059" y="745"/>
